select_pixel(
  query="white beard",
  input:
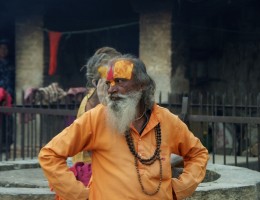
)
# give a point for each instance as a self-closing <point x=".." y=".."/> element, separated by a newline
<point x="121" y="113"/>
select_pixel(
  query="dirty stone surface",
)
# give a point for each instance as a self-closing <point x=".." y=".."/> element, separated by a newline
<point x="24" y="180"/>
<point x="234" y="183"/>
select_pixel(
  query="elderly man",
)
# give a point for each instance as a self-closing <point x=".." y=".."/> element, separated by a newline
<point x="131" y="139"/>
<point x="96" y="71"/>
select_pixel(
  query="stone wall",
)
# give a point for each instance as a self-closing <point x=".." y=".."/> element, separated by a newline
<point x="155" y="48"/>
<point x="183" y="52"/>
<point x="219" y="53"/>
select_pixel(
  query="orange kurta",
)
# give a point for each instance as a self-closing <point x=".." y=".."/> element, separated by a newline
<point x="113" y="169"/>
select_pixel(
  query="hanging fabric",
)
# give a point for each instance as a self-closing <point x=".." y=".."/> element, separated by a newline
<point x="54" y="38"/>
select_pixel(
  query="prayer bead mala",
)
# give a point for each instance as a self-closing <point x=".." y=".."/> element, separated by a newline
<point x="149" y="161"/>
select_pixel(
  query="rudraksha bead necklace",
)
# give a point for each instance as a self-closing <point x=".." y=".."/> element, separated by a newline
<point x="149" y="161"/>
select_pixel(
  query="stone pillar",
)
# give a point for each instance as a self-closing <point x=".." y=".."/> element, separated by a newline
<point x="29" y="41"/>
<point x="155" y="48"/>
<point x="29" y="53"/>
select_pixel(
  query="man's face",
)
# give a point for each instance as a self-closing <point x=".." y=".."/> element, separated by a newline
<point x="120" y="80"/>
<point x="123" y="96"/>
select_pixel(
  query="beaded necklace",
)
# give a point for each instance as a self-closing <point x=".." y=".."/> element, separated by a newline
<point x="149" y="161"/>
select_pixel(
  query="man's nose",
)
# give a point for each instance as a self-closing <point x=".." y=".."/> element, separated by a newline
<point x="112" y="89"/>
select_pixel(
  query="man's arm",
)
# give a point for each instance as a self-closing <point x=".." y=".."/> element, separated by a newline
<point x="195" y="157"/>
<point x="52" y="158"/>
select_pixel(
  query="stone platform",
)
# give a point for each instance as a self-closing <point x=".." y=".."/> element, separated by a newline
<point x="24" y="180"/>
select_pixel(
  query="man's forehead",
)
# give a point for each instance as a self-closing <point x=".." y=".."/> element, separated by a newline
<point x="120" y="69"/>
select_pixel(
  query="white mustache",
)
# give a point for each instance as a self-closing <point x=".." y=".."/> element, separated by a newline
<point x="121" y="96"/>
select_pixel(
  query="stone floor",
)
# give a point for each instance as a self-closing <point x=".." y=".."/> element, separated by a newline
<point x="24" y="180"/>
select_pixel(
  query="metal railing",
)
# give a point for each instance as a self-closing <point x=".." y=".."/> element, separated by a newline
<point x="228" y="127"/>
<point x="24" y="129"/>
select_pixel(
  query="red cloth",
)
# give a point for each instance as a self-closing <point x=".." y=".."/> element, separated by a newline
<point x="54" y="44"/>
<point x="82" y="172"/>
<point x="5" y="98"/>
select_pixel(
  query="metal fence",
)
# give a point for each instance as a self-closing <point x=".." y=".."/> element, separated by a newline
<point x="228" y="126"/>
<point x="24" y="129"/>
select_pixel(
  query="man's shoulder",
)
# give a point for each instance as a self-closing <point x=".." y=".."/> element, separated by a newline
<point x="162" y="110"/>
<point x="163" y="113"/>
<point x="98" y="109"/>
<point x="96" y="112"/>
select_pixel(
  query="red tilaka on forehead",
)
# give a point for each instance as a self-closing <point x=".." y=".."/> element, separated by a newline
<point x="110" y="74"/>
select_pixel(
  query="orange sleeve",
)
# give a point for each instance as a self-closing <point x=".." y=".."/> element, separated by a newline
<point x="52" y="159"/>
<point x="195" y="157"/>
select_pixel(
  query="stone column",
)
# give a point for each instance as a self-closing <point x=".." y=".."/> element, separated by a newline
<point x="155" y="48"/>
<point x="29" y="53"/>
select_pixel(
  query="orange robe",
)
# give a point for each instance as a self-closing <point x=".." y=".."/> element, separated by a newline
<point x="113" y="169"/>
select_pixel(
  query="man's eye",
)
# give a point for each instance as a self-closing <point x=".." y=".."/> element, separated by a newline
<point x="119" y="80"/>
